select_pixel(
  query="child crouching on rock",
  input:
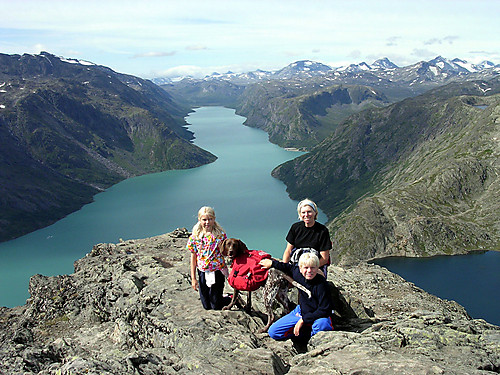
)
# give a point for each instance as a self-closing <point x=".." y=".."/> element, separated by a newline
<point x="207" y="260"/>
<point x="311" y="315"/>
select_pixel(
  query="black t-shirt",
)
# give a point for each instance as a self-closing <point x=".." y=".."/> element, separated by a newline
<point x="316" y="237"/>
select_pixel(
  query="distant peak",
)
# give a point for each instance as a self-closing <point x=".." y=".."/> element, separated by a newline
<point x="384" y="63"/>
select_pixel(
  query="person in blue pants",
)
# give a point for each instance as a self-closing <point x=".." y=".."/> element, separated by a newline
<point x="311" y="315"/>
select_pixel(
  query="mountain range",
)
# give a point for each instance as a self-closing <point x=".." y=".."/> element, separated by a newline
<point x="403" y="160"/>
<point x="402" y="166"/>
<point x="415" y="178"/>
<point x="303" y="102"/>
<point x="69" y="129"/>
<point x="438" y="68"/>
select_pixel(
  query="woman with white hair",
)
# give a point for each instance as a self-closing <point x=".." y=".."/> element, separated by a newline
<point x="308" y="235"/>
<point x="311" y="315"/>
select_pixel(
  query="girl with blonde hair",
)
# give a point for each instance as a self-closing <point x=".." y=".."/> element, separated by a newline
<point x="207" y="260"/>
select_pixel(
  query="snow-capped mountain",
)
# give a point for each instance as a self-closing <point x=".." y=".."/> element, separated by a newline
<point x="445" y="65"/>
<point x="162" y="81"/>
<point x="485" y="65"/>
<point x="438" y="69"/>
<point x="354" y="68"/>
<point x="473" y="67"/>
<point x="383" y="63"/>
<point x="302" y="68"/>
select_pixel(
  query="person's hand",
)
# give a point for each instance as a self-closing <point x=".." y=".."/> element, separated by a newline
<point x="194" y="284"/>
<point x="298" y="326"/>
<point x="266" y="263"/>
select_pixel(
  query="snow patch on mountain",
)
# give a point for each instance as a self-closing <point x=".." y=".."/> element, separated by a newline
<point x="438" y="68"/>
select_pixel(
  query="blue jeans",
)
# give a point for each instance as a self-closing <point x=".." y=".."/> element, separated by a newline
<point x="282" y="329"/>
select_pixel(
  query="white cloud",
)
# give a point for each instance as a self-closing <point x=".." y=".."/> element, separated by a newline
<point x="267" y="34"/>
<point x="196" y="47"/>
<point x="422" y="53"/>
<point x="447" y="39"/>
<point x="182" y="71"/>
<point x="155" y="54"/>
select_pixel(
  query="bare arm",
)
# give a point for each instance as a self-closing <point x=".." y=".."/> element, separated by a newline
<point x="287" y="253"/>
<point x="194" y="282"/>
<point x="325" y="256"/>
<point x="266" y="263"/>
<point x="297" y="327"/>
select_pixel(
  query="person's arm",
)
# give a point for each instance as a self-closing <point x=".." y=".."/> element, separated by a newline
<point x="324" y="258"/>
<point x="194" y="281"/>
<point x="287" y="253"/>
<point x="284" y="267"/>
<point x="266" y="263"/>
<point x="325" y="245"/>
<point x="298" y="326"/>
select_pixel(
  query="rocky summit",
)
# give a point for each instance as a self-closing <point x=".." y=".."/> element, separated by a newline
<point x="128" y="308"/>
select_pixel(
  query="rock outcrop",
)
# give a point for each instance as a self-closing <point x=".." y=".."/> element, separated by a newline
<point x="129" y="309"/>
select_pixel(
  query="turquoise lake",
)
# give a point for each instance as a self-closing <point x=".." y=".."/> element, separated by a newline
<point x="249" y="203"/>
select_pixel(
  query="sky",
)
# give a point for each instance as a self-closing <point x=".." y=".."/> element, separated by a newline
<point x="172" y="38"/>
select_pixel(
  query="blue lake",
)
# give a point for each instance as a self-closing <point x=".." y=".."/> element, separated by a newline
<point x="472" y="280"/>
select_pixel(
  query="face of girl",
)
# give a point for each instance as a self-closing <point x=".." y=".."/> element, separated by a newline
<point x="309" y="272"/>
<point x="307" y="215"/>
<point x="207" y="222"/>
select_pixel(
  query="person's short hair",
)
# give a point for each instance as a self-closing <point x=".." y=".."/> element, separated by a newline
<point x="309" y="260"/>
<point x="310" y="203"/>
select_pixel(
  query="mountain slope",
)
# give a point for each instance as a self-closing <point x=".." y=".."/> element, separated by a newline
<point x="220" y="92"/>
<point x="275" y="101"/>
<point x="301" y="114"/>
<point x="416" y="178"/>
<point x="70" y="129"/>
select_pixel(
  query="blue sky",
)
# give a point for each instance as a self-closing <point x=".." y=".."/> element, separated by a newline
<point x="198" y="37"/>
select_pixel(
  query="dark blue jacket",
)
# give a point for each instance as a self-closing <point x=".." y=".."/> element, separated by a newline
<point x="320" y="304"/>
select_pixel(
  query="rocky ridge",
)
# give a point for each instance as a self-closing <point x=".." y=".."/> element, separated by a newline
<point x="129" y="309"/>
<point x="416" y="178"/>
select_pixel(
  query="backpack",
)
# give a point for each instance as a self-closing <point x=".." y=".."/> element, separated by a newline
<point x="296" y="253"/>
<point x="246" y="272"/>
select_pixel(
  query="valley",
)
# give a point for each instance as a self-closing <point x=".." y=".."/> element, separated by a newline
<point x="401" y="159"/>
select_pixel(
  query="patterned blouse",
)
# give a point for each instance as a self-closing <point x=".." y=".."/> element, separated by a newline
<point x="207" y="252"/>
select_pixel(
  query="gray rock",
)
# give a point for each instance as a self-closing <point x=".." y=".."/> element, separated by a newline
<point x="129" y="309"/>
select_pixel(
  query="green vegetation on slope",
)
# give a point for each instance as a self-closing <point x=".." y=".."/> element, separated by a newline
<point x="301" y="114"/>
<point x="70" y="130"/>
<point x="416" y="178"/>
